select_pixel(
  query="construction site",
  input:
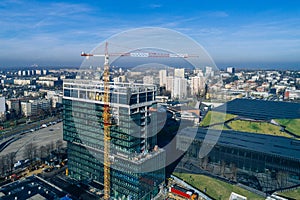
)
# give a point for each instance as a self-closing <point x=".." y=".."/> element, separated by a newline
<point x="136" y="164"/>
<point x="111" y="132"/>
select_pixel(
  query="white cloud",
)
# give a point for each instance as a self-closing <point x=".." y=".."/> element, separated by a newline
<point x="217" y="14"/>
<point x="154" y="6"/>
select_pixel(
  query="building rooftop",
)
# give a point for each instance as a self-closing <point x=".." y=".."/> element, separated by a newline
<point x="268" y="144"/>
<point x="261" y="109"/>
<point x="121" y="94"/>
<point x="33" y="188"/>
<point x="114" y="86"/>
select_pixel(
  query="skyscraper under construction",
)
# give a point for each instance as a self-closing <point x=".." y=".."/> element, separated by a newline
<point x="136" y="163"/>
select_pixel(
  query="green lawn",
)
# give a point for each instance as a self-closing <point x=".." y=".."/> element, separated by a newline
<point x="292" y="125"/>
<point x="215" y="188"/>
<point x="219" y="127"/>
<point x="213" y="117"/>
<point x="257" y="127"/>
<point x="295" y="194"/>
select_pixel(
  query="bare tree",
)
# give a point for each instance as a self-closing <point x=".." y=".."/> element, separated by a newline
<point x="2" y="166"/>
<point x="222" y="168"/>
<point x="42" y="152"/>
<point x="59" y="144"/>
<point x="233" y="169"/>
<point x="30" y="151"/>
<point x="11" y="160"/>
<point x="52" y="146"/>
<point x="49" y="147"/>
<point x="205" y="162"/>
<point x="7" y="163"/>
<point x="281" y="177"/>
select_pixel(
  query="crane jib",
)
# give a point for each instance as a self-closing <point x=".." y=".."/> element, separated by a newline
<point x="145" y="55"/>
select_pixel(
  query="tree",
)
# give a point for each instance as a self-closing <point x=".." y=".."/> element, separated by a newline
<point x="59" y="144"/>
<point x="222" y="168"/>
<point x="281" y="177"/>
<point x="7" y="163"/>
<point x="233" y="169"/>
<point x="30" y="151"/>
<point x="205" y="162"/>
<point x="49" y="147"/>
<point x="2" y="166"/>
<point x="11" y="160"/>
<point x="42" y="152"/>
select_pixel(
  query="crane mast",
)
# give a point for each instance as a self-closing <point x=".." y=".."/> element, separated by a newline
<point x="106" y="121"/>
<point x="106" y="111"/>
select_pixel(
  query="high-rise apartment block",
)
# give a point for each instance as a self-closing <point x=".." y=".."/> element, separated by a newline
<point x="179" y="88"/>
<point x="2" y="107"/>
<point x="137" y="164"/>
<point x="162" y="77"/>
<point x="179" y="73"/>
<point x="169" y="83"/>
<point x="230" y="70"/>
<point x="209" y="71"/>
<point x="197" y="84"/>
<point x="148" y="80"/>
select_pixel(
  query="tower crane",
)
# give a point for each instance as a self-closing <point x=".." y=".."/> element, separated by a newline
<point x="106" y="111"/>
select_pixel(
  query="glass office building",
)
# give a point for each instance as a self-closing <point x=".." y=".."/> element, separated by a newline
<point x="264" y="162"/>
<point x="137" y="164"/>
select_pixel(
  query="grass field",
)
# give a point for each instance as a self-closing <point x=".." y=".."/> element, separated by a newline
<point x="219" y="127"/>
<point x="257" y="127"/>
<point x="215" y="188"/>
<point x="295" y="194"/>
<point x="292" y="125"/>
<point x="213" y="117"/>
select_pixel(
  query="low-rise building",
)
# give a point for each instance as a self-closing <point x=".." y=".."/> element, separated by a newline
<point x="35" y="107"/>
<point x="13" y="104"/>
<point x="22" y="81"/>
<point x="2" y="108"/>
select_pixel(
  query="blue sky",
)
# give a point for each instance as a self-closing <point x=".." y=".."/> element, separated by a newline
<point x="239" y="33"/>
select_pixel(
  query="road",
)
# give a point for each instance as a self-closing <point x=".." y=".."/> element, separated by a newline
<point x="25" y="127"/>
<point x="40" y="137"/>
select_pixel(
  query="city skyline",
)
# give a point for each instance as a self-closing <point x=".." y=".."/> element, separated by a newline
<point x="243" y="34"/>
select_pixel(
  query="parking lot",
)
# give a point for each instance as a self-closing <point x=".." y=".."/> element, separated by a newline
<point x="43" y="136"/>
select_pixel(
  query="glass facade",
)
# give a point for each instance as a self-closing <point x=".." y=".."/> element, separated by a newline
<point x="264" y="162"/>
<point x="133" y="137"/>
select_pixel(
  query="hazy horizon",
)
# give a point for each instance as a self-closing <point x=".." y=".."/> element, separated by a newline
<point x="245" y="34"/>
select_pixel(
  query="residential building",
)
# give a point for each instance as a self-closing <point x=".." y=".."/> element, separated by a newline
<point x="230" y="70"/>
<point x="169" y="83"/>
<point x="2" y="107"/>
<point x="179" y="73"/>
<point x="148" y="80"/>
<point x="26" y="108"/>
<point x="208" y="71"/>
<point x="197" y="84"/>
<point x="22" y="81"/>
<point x="162" y="77"/>
<point x="13" y="104"/>
<point x="35" y="107"/>
<point x="179" y="88"/>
